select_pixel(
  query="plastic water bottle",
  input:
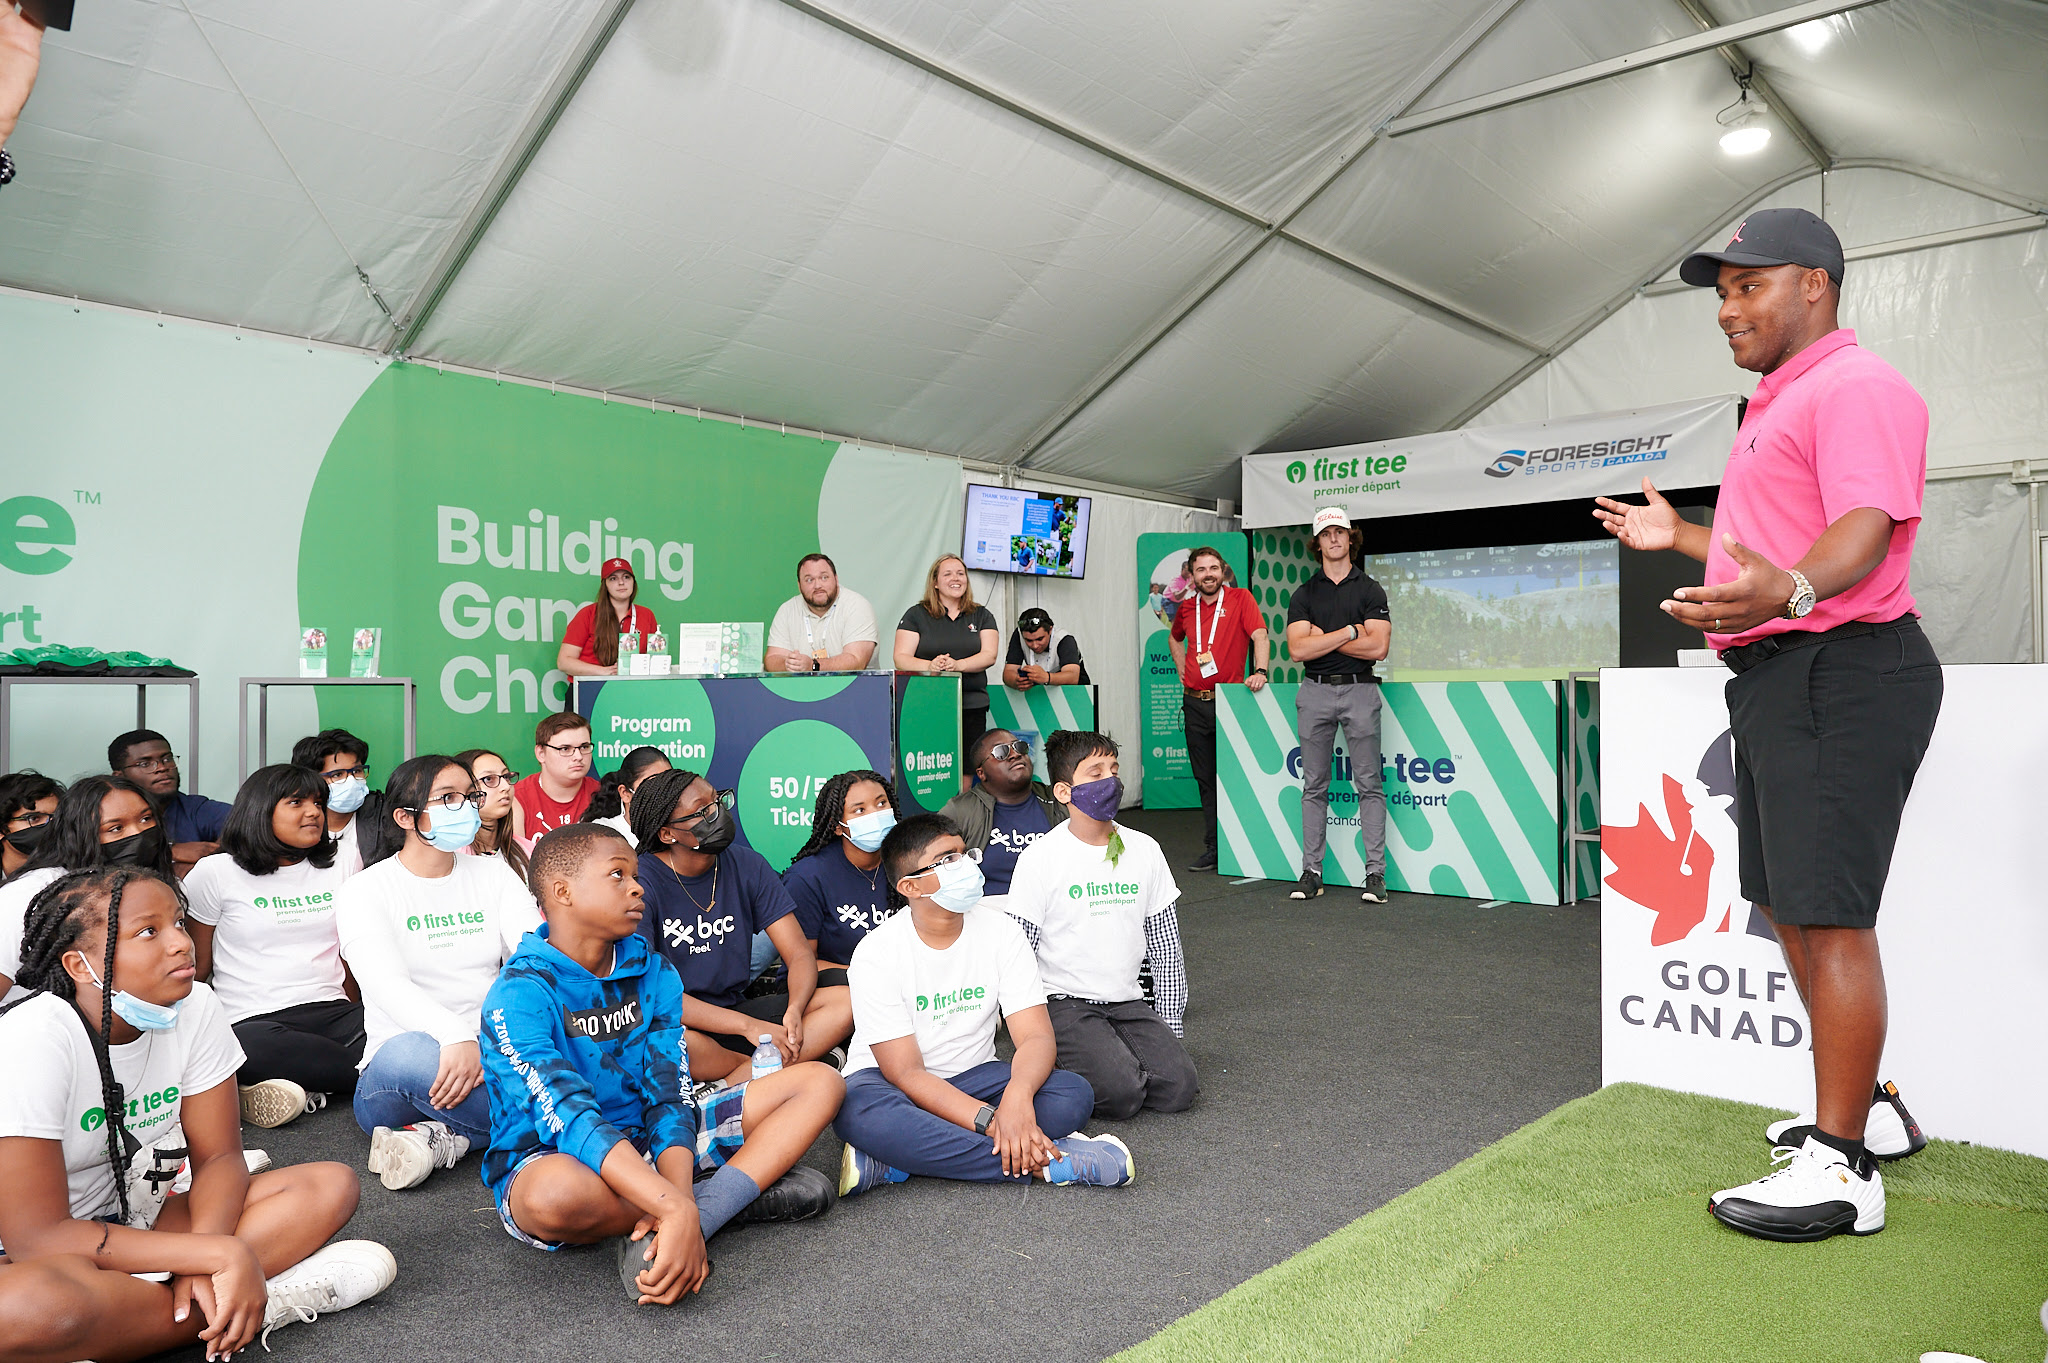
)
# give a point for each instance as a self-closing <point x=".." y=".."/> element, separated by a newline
<point x="767" y="1056"/>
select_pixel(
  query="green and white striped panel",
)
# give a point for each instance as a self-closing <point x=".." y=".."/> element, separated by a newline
<point x="1039" y="712"/>
<point x="1488" y="831"/>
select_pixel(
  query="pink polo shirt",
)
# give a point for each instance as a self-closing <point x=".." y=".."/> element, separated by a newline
<point x="1832" y="429"/>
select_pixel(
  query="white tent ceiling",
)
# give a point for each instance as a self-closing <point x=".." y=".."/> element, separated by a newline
<point x="1127" y="240"/>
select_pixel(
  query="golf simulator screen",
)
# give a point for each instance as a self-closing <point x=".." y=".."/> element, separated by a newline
<point x="1524" y="605"/>
<point x="1010" y="530"/>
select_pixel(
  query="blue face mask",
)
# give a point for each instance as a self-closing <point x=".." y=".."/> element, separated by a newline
<point x="346" y="796"/>
<point x="451" y="830"/>
<point x="866" y="831"/>
<point x="140" y="1014"/>
<point x="960" y="885"/>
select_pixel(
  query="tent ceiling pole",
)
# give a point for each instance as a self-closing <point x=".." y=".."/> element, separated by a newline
<point x="1742" y="64"/>
<point x="1268" y="227"/>
<point x="1248" y="246"/>
<point x="1942" y="177"/>
<point x="1615" y="304"/>
<point x="547" y="111"/>
<point x="1899" y="246"/>
<point x="1639" y="60"/>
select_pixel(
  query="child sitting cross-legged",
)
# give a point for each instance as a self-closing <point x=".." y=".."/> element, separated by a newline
<point x="925" y="1093"/>
<point x="596" y="1132"/>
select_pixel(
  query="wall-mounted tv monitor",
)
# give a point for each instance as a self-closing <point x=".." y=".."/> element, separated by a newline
<point x="1011" y="530"/>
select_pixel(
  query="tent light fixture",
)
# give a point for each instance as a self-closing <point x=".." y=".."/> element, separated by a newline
<point x="1747" y="133"/>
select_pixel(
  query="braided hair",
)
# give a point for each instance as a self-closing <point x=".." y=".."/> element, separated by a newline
<point x="831" y="808"/>
<point x="604" y="801"/>
<point x="57" y="918"/>
<point x="654" y="802"/>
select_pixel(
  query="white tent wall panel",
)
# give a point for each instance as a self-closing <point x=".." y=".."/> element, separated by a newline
<point x="752" y="209"/>
<point x="1289" y="339"/>
<point x="147" y="181"/>
<point x="1246" y="100"/>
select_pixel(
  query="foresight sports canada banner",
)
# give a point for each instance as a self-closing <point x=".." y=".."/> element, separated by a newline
<point x="1606" y="454"/>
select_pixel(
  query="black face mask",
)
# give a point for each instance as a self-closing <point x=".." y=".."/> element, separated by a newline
<point x="137" y="849"/>
<point x="715" y="831"/>
<point x="27" y="840"/>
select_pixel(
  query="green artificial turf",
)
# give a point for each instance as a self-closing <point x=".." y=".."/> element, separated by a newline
<point x="1585" y="1236"/>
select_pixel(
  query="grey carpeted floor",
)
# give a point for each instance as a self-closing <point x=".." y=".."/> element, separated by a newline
<point x="1348" y="1052"/>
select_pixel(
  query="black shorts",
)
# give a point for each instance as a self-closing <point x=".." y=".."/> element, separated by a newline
<point x="767" y="1007"/>
<point x="1827" y="741"/>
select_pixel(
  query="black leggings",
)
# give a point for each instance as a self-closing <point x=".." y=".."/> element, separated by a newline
<point x="315" y="1045"/>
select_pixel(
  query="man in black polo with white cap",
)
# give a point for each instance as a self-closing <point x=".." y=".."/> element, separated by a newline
<point x="1337" y="626"/>
<point x="1836" y="689"/>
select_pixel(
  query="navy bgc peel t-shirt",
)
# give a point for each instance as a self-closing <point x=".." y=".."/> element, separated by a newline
<point x="705" y="932"/>
<point x="836" y="902"/>
<point x="1016" y="827"/>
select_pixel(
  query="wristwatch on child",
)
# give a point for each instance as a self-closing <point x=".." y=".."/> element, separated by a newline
<point x="983" y="1118"/>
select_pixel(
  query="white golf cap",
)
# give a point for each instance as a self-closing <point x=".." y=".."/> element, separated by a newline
<point x="1331" y="515"/>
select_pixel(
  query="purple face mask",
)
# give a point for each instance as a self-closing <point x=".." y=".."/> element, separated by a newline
<point x="1099" y="800"/>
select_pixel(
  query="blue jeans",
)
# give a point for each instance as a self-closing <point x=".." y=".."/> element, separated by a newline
<point x="393" y="1088"/>
<point x="879" y="1119"/>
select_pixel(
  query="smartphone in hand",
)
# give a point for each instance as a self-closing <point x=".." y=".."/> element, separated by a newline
<point x="49" y="13"/>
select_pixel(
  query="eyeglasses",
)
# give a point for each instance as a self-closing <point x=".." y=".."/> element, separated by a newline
<point x="340" y="774"/>
<point x="169" y="759"/>
<point x="29" y="818"/>
<point x="491" y="780"/>
<point x="726" y="800"/>
<point x="453" y="800"/>
<point x="972" y="854"/>
<point x="1016" y="747"/>
<point x="569" y="749"/>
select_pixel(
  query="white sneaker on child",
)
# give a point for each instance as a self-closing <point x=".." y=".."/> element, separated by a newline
<point x="331" y="1278"/>
<point x="403" y="1158"/>
<point x="275" y="1102"/>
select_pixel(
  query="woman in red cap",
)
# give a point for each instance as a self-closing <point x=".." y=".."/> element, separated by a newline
<point x="592" y="643"/>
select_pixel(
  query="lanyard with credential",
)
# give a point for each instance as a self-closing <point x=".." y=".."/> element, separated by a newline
<point x="1205" y="661"/>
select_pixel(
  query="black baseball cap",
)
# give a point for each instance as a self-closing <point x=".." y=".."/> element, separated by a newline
<point x="1776" y="236"/>
<point x="1034" y="620"/>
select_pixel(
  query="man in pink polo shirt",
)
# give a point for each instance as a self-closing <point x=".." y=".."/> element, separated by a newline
<point x="1836" y="688"/>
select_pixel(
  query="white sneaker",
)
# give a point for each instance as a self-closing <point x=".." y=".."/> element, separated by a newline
<point x="273" y="1102"/>
<point x="257" y="1160"/>
<point x="1815" y="1195"/>
<point x="1889" y="1132"/>
<point x="331" y="1278"/>
<point x="403" y="1158"/>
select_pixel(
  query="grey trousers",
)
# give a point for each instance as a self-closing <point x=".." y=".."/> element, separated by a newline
<point x="1318" y="710"/>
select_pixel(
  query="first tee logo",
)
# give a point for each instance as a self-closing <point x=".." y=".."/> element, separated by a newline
<point x="1296" y="471"/>
<point x="1074" y="892"/>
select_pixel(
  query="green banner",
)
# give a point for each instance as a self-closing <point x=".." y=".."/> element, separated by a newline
<point x="1470" y="771"/>
<point x="1039" y="713"/>
<point x="1162" y="586"/>
<point x="928" y="758"/>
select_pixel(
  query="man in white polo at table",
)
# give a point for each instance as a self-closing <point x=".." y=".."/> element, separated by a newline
<point x="1337" y="627"/>
<point x="823" y="628"/>
<point x="1836" y="689"/>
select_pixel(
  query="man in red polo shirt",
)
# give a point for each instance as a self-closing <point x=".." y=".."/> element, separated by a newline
<point x="1211" y="635"/>
<point x="556" y="795"/>
<point x="1836" y="688"/>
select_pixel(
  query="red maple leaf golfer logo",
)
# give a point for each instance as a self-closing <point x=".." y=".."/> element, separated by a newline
<point x="1667" y="875"/>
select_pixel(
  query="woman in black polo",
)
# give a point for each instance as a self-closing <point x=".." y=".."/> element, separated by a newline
<point x="948" y="632"/>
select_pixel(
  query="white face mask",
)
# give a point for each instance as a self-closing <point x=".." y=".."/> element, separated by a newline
<point x="346" y="796"/>
<point x="866" y="831"/>
<point x="960" y="885"/>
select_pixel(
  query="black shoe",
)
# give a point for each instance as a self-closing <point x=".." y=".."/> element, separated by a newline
<point x="1310" y="886"/>
<point x="1375" y="891"/>
<point x="1206" y="862"/>
<point x="798" y="1195"/>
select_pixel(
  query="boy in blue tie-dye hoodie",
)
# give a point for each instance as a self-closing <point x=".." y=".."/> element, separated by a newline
<point x="595" y="1131"/>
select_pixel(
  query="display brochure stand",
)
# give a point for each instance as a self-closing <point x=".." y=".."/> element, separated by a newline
<point x="190" y="770"/>
<point x="263" y="685"/>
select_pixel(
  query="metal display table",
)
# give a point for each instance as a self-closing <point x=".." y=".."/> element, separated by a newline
<point x="263" y="685"/>
<point x="141" y="685"/>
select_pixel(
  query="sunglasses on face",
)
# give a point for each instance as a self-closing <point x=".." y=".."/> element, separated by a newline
<point x="1016" y="747"/>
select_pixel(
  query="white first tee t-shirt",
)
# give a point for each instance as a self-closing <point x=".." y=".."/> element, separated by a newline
<point x="425" y="951"/>
<point x="274" y="941"/>
<point x="14" y="898"/>
<point x="50" y="1090"/>
<point x="947" y="999"/>
<point x="1091" y="915"/>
